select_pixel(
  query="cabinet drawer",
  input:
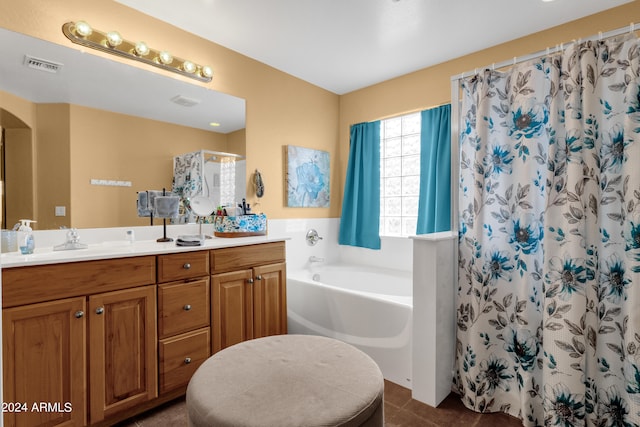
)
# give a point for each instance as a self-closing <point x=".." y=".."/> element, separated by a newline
<point x="180" y="356"/>
<point x="25" y="285"/>
<point x="237" y="258"/>
<point x="182" y="266"/>
<point x="183" y="307"/>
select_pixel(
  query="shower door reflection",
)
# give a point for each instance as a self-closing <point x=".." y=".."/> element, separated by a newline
<point x="216" y="175"/>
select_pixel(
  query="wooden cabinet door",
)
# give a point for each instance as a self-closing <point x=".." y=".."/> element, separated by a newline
<point x="270" y="300"/>
<point x="231" y="308"/>
<point x="123" y="350"/>
<point x="44" y="362"/>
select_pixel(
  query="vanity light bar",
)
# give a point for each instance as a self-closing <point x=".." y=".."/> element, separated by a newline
<point x="112" y="42"/>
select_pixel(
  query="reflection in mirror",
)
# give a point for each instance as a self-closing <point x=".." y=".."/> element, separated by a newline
<point x="218" y="176"/>
<point x="97" y="120"/>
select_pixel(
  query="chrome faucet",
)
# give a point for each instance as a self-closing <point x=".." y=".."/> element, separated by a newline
<point x="312" y="237"/>
<point x="73" y="242"/>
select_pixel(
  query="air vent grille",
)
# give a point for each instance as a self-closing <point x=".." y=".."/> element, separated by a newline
<point x="42" y="64"/>
<point x="184" y="101"/>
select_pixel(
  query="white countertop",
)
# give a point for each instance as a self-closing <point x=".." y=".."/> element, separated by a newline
<point x="122" y="249"/>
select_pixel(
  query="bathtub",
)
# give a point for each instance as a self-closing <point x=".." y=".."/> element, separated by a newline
<point x="368" y="307"/>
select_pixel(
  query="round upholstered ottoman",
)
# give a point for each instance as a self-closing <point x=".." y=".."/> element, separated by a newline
<point x="287" y="380"/>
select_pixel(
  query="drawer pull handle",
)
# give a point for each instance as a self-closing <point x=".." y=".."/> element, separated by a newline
<point x="187" y="307"/>
<point x="79" y="314"/>
<point x="99" y="310"/>
<point x="258" y="277"/>
<point x="250" y="281"/>
<point x="187" y="360"/>
<point x="186" y="266"/>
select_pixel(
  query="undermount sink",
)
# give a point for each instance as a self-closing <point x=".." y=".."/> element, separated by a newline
<point x="70" y="246"/>
<point x="78" y="249"/>
<point x="112" y="244"/>
<point x="38" y="254"/>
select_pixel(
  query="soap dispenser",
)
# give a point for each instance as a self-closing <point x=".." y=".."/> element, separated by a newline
<point x="26" y="242"/>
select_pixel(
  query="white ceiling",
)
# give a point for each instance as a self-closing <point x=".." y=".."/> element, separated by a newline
<point x="340" y="45"/>
<point x="344" y="45"/>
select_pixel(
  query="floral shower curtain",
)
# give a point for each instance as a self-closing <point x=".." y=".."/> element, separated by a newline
<point x="548" y="303"/>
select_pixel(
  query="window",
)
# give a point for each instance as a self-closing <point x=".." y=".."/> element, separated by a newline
<point x="399" y="174"/>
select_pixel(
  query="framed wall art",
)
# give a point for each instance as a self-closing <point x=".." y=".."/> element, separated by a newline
<point x="308" y="176"/>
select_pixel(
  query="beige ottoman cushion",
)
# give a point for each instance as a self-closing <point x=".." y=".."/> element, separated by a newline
<point x="287" y="380"/>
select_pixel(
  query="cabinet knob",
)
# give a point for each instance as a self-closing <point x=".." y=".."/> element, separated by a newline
<point x="99" y="310"/>
<point x="258" y="277"/>
<point x="186" y="266"/>
<point x="79" y="314"/>
<point x="250" y="281"/>
<point x="187" y="360"/>
<point x="187" y="307"/>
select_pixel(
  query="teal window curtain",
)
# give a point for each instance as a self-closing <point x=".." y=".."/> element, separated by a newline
<point x="360" y="219"/>
<point x="434" y="210"/>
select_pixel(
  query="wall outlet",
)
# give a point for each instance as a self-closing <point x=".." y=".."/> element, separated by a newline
<point x="61" y="211"/>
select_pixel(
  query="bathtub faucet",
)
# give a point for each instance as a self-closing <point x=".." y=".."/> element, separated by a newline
<point x="313" y="259"/>
<point x="312" y="237"/>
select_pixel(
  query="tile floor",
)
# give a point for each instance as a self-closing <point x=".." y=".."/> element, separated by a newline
<point x="399" y="411"/>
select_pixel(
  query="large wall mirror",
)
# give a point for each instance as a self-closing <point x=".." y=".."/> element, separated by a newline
<point x="74" y="139"/>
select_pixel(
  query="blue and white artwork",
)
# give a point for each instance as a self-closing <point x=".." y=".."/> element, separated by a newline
<point x="307" y="177"/>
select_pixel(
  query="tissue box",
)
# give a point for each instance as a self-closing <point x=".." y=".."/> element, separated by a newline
<point x="240" y="226"/>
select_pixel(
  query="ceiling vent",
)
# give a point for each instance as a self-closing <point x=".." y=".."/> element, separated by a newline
<point x="42" y="64"/>
<point x="184" y="101"/>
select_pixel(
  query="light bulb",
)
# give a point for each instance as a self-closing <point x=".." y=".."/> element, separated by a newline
<point x="141" y="49"/>
<point x="165" y="57"/>
<point x="189" y="67"/>
<point x="83" y="29"/>
<point x="207" y="71"/>
<point x="114" y="38"/>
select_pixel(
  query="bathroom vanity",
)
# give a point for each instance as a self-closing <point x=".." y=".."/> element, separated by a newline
<point x="96" y="337"/>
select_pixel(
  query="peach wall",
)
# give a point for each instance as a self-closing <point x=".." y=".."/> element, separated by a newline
<point x="17" y="117"/>
<point x="118" y="147"/>
<point x="431" y="86"/>
<point x="75" y="144"/>
<point x="20" y="204"/>
<point x="237" y="142"/>
<point x="53" y="166"/>
<point x="17" y="107"/>
<point x="281" y="109"/>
